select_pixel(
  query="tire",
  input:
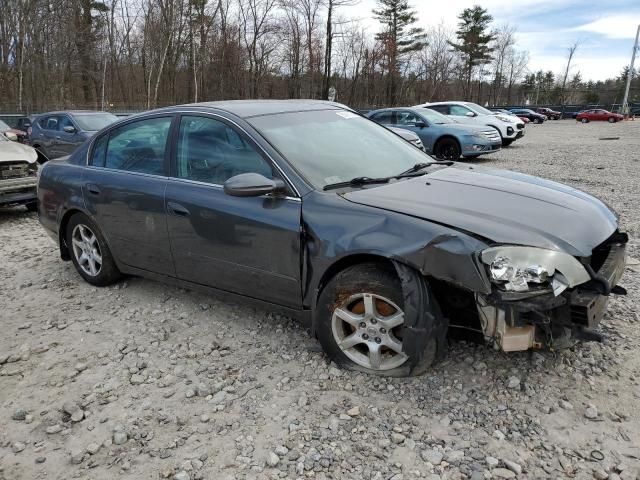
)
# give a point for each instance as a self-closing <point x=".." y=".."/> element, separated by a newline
<point x="84" y="239"/>
<point x="612" y="120"/>
<point x="32" y="207"/>
<point x="536" y="120"/>
<point x="507" y="141"/>
<point x="584" y="120"/>
<point x="362" y="324"/>
<point x="447" y="149"/>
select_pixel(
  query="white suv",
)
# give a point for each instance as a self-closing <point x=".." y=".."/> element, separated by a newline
<point x="510" y="128"/>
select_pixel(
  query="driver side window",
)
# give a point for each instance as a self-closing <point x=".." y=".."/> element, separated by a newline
<point x="211" y="151"/>
<point x="458" y="110"/>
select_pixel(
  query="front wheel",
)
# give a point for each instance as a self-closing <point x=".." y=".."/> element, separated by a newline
<point x="537" y="120"/>
<point x="447" y="149"/>
<point x="361" y="324"/>
<point x="612" y="120"/>
<point x="507" y="141"/>
<point x="89" y="252"/>
<point x="585" y="120"/>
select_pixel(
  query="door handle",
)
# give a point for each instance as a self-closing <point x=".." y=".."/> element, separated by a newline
<point x="57" y="138"/>
<point x="177" y="209"/>
<point x="93" y="189"/>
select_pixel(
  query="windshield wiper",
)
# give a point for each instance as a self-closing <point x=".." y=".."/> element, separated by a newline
<point x="357" y="181"/>
<point x="421" y="166"/>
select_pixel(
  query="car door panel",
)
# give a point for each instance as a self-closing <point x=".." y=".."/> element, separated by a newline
<point x="229" y="242"/>
<point x="129" y="209"/>
<point x="223" y="241"/>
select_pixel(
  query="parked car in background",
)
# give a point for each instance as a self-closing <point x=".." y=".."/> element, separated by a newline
<point x="18" y="174"/>
<point x="441" y="136"/>
<point x="550" y="114"/>
<point x="598" y="114"/>
<point x="21" y="135"/>
<point x="502" y="111"/>
<point x="575" y="114"/>
<point x="306" y="207"/>
<point x="530" y="114"/>
<point x="409" y="136"/>
<point x="56" y="134"/>
<point x="509" y="127"/>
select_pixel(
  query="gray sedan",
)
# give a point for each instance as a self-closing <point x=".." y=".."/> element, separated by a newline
<point x="56" y="134"/>
<point x="310" y="209"/>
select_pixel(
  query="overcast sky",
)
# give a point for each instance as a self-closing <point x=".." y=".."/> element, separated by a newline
<point x="546" y="28"/>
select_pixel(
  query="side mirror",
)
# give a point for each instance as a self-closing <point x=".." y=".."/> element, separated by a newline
<point x="11" y="136"/>
<point x="69" y="129"/>
<point x="420" y="125"/>
<point x="470" y="114"/>
<point x="252" y="185"/>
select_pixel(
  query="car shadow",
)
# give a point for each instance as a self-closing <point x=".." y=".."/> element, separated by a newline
<point x="15" y="213"/>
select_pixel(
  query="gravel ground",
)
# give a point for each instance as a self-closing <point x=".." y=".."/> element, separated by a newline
<point x="142" y="380"/>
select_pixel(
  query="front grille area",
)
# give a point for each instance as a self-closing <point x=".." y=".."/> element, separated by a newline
<point x="14" y="170"/>
<point x="520" y="126"/>
<point x="492" y="135"/>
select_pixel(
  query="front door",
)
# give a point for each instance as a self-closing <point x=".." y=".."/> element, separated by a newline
<point x="123" y="189"/>
<point x="66" y="142"/>
<point x="410" y="121"/>
<point x="245" y="245"/>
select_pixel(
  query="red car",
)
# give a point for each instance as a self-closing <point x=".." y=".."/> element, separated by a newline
<point x="525" y="120"/>
<point x="551" y="114"/>
<point x="598" y="114"/>
<point x="4" y="128"/>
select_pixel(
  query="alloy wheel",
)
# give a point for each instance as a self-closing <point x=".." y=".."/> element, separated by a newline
<point x="368" y="330"/>
<point x="86" y="249"/>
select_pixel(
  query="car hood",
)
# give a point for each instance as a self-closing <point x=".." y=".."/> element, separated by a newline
<point x="501" y="206"/>
<point x="14" y="151"/>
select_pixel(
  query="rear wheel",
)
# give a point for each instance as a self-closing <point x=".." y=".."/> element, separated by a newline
<point x="447" y="149"/>
<point x="89" y="252"/>
<point x="361" y="323"/>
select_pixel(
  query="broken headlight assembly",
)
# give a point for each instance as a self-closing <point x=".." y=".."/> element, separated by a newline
<point x="524" y="269"/>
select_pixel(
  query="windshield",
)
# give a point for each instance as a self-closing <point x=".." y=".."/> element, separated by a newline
<point x="478" y="109"/>
<point x="331" y="146"/>
<point x="93" y="122"/>
<point x="436" y="117"/>
<point x="4" y="126"/>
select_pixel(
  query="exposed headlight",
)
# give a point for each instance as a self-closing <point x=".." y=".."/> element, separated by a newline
<point x="479" y="135"/>
<point x="518" y="269"/>
<point x="504" y="118"/>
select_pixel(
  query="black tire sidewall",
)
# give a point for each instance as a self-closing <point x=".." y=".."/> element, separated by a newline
<point x="445" y="142"/>
<point x="109" y="272"/>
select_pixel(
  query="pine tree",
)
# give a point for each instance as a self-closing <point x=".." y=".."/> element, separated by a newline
<point x="399" y="38"/>
<point x="474" y="41"/>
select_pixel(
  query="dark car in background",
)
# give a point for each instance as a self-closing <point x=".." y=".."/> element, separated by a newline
<point x="549" y="113"/>
<point x="529" y="114"/>
<point x="56" y="134"/>
<point x="308" y="208"/>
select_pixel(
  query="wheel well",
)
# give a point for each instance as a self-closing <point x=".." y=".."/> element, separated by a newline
<point x="446" y="137"/>
<point x="64" y="248"/>
<point x="350" y="261"/>
<point x="496" y="129"/>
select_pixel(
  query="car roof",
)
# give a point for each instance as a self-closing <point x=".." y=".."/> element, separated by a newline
<point x="60" y="112"/>
<point x="254" y="108"/>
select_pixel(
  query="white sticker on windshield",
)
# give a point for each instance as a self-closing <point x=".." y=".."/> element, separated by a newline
<point x="347" y="114"/>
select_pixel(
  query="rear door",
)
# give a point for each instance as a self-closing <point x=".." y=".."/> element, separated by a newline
<point x="46" y="136"/>
<point x="245" y="245"/>
<point x="123" y="190"/>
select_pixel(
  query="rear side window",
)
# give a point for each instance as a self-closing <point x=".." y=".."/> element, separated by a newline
<point x="444" y="109"/>
<point x="136" y="147"/>
<point x="459" y="110"/>
<point x="385" y="118"/>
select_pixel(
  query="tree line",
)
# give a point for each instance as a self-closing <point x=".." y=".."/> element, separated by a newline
<point x="140" y="54"/>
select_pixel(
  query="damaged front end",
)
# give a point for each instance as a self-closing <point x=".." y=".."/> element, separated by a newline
<point x="544" y="298"/>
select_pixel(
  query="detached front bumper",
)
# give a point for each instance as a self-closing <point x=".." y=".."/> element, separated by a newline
<point x="513" y="321"/>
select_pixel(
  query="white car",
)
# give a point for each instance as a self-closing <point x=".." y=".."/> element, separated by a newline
<point x="18" y="173"/>
<point x="510" y="128"/>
